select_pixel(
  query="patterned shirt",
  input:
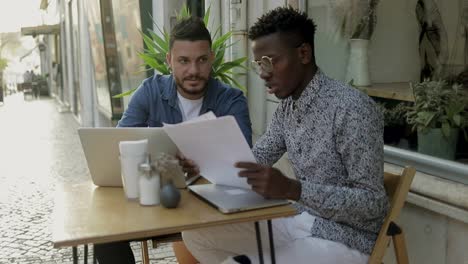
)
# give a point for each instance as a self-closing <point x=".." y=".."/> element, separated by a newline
<point x="333" y="134"/>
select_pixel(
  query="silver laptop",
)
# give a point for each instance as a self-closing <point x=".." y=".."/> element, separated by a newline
<point x="101" y="149"/>
<point x="229" y="199"/>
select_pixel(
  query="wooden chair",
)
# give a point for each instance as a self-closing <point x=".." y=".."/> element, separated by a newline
<point x="397" y="187"/>
<point x="156" y="240"/>
<point x="144" y="252"/>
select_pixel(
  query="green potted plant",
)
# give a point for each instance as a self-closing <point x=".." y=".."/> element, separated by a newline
<point x="438" y="112"/>
<point x="157" y="46"/>
<point x="395" y="121"/>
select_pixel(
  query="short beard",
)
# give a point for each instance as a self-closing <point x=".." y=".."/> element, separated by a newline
<point x="180" y="85"/>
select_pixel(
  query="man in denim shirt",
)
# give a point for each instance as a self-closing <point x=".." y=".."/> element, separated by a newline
<point x="185" y="94"/>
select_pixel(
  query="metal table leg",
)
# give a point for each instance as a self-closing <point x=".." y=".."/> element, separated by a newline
<point x="272" y="243"/>
<point x="75" y="255"/>
<point x="259" y="242"/>
<point x="94" y="256"/>
<point x="86" y="254"/>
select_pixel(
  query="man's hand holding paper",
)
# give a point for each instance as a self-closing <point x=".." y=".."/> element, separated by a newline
<point x="188" y="165"/>
<point x="266" y="181"/>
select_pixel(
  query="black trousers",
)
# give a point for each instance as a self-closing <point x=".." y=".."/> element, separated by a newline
<point x="114" y="253"/>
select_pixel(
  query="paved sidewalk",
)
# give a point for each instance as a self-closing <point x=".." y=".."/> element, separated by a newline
<point x="39" y="148"/>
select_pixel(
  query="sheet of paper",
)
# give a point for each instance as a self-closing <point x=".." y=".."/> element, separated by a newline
<point x="214" y="145"/>
<point x="206" y="116"/>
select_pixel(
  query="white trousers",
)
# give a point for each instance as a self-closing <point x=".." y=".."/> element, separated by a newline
<point x="292" y="240"/>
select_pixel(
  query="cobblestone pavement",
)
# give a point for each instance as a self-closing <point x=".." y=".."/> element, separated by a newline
<point x="39" y="148"/>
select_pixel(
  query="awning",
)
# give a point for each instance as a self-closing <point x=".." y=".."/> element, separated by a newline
<point x="41" y="30"/>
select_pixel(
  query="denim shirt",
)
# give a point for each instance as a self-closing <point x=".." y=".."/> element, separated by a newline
<point x="155" y="103"/>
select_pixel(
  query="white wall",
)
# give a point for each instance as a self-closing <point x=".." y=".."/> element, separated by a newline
<point x="431" y="237"/>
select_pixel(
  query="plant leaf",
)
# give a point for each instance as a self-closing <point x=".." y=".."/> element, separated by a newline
<point x="161" y="44"/>
<point x="426" y="117"/>
<point x="457" y="119"/>
<point x="232" y="64"/>
<point x="153" y="63"/>
<point x="446" y="129"/>
<point x="149" y="43"/>
<point x="233" y="82"/>
<point x="184" y="12"/>
<point x="129" y="92"/>
<point x="221" y="40"/>
<point x="206" y="17"/>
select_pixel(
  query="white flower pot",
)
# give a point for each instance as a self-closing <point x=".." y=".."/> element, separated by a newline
<point x="358" y="67"/>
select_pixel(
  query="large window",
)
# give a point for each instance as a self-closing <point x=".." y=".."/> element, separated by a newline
<point x="129" y="41"/>
<point x="411" y="41"/>
<point x="105" y="58"/>
<point x="99" y="57"/>
<point x="75" y="48"/>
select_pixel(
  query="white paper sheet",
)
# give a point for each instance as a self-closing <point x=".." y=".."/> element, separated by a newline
<point x="206" y="116"/>
<point x="214" y="145"/>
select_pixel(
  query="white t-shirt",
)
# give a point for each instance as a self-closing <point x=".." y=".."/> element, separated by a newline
<point x="190" y="108"/>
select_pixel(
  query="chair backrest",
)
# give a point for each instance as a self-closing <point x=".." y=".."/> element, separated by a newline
<point x="397" y="187"/>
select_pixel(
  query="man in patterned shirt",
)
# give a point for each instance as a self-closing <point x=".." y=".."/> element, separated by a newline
<point x="333" y="135"/>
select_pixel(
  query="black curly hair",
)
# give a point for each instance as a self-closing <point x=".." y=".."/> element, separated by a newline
<point x="285" y="20"/>
<point x="192" y="28"/>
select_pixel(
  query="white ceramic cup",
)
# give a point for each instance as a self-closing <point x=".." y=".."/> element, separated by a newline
<point x="129" y="165"/>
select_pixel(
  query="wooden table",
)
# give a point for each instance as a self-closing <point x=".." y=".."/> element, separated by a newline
<point x="86" y="214"/>
<point x="397" y="91"/>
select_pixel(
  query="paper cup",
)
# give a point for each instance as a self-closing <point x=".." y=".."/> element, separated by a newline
<point x="130" y="174"/>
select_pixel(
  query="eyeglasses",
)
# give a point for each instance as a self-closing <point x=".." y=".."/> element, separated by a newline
<point x="265" y="64"/>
